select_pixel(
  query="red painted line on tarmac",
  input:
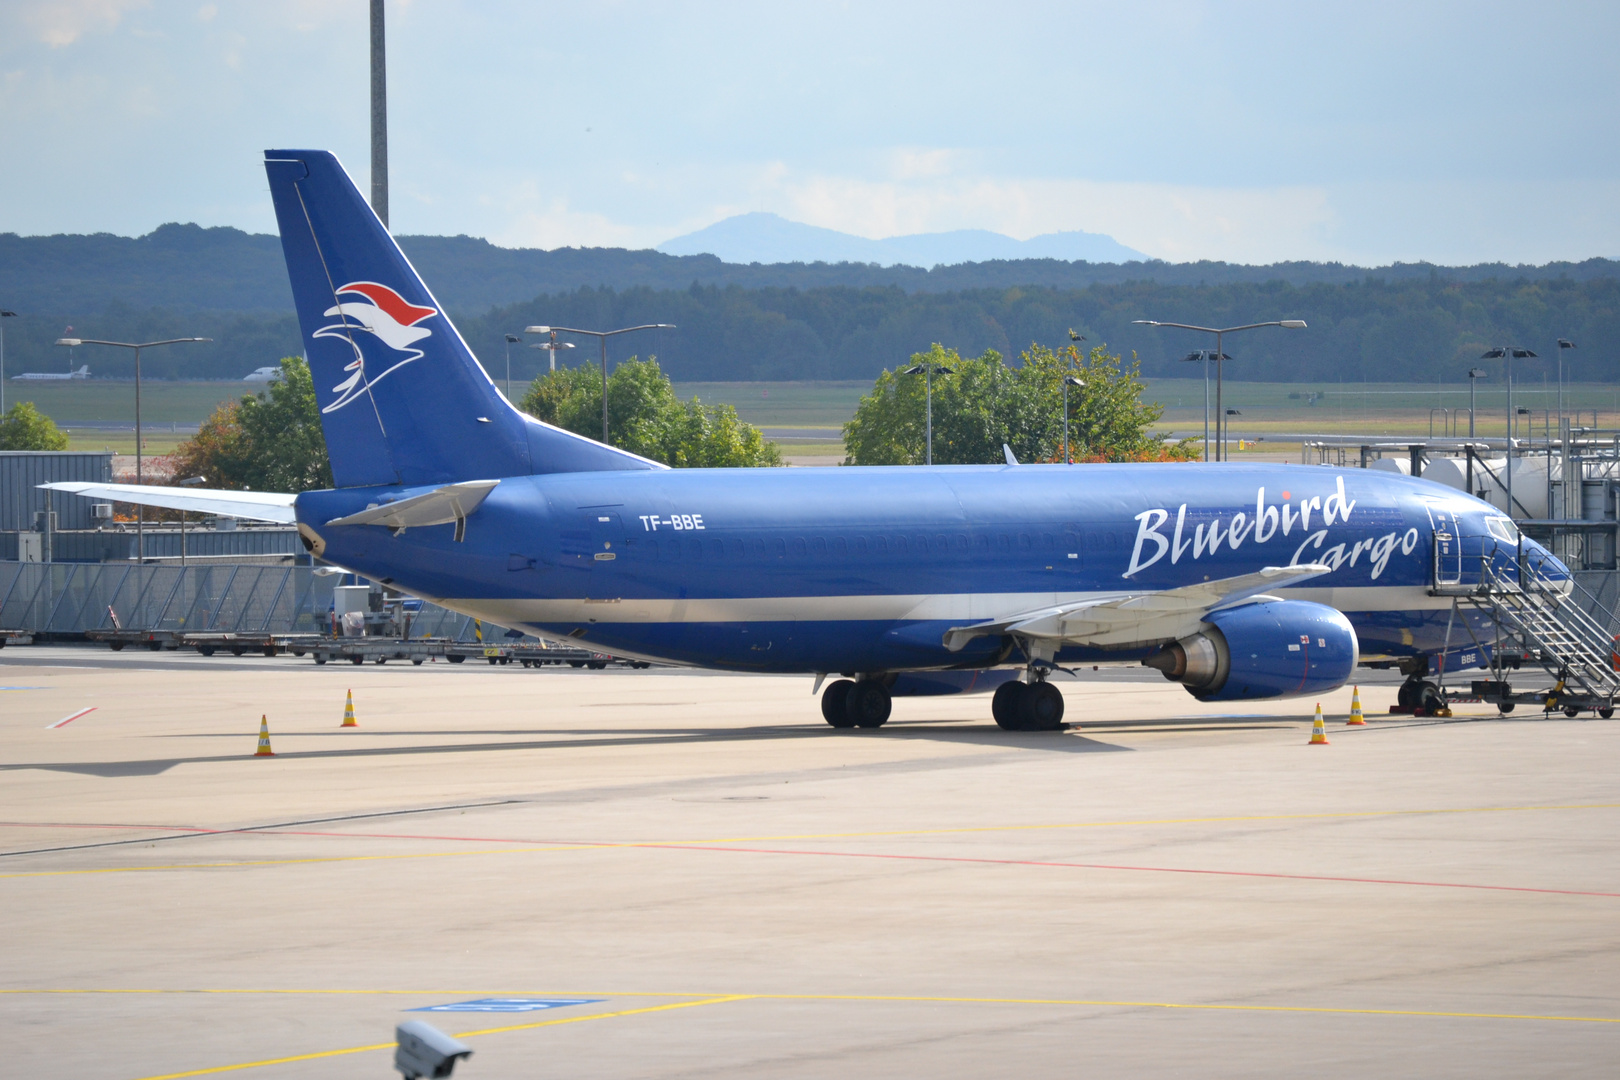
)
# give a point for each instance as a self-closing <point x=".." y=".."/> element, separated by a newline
<point x="964" y="859"/>
<point x="1138" y="869"/>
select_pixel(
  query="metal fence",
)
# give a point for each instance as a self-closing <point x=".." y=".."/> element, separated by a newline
<point x="67" y="598"/>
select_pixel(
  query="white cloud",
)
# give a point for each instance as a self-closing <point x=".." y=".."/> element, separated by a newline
<point x="62" y="22"/>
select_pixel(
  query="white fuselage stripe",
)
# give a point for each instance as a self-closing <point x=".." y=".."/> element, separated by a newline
<point x="956" y="607"/>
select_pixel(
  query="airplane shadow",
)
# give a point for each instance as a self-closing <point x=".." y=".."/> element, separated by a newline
<point x="985" y="735"/>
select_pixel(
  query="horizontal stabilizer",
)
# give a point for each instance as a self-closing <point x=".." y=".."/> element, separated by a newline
<point x="453" y="502"/>
<point x="1134" y="618"/>
<point x="255" y="505"/>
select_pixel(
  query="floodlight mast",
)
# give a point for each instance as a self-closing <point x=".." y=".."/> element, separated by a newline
<point x="140" y="478"/>
<point x="4" y="315"/>
<point x="1219" y="331"/>
<point x="602" y="336"/>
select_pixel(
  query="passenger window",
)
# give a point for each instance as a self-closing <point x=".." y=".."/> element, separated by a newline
<point x="798" y="546"/>
<point x="860" y="545"/>
<point x="900" y="545"/>
<point x="839" y="546"/>
<point x="881" y="544"/>
<point x="982" y="542"/>
<point x="696" y="547"/>
<point x="961" y="541"/>
<point x="1004" y="542"/>
<point x="779" y="546"/>
<point x="820" y="546"/>
<point x="1023" y="541"/>
<point x="940" y="543"/>
<point x="717" y="548"/>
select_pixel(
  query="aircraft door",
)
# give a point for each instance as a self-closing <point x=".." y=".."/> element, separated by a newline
<point x="1447" y="543"/>
<point x="608" y="543"/>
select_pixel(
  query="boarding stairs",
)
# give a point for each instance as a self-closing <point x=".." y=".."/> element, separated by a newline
<point x="1556" y="624"/>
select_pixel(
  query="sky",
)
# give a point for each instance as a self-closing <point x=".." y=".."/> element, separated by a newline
<point x="1367" y="133"/>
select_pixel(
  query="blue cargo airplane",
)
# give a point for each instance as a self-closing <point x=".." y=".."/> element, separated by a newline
<point x="1240" y="582"/>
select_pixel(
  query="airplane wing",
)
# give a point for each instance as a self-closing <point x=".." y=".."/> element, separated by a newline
<point x="1134" y="618"/>
<point x="255" y="505"/>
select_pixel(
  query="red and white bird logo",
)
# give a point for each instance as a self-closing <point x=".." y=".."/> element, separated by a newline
<point x="384" y="314"/>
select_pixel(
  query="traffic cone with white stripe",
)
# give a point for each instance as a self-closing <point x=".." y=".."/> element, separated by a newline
<point x="1318" y="732"/>
<point x="264" y="739"/>
<point x="348" y="713"/>
<point x="1355" y="708"/>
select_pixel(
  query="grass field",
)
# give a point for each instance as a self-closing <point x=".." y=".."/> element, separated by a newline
<point x="1389" y="409"/>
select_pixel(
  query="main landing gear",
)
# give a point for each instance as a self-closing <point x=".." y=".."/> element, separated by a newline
<point x="848" y="703"/>
<point x="1031" y="706"/>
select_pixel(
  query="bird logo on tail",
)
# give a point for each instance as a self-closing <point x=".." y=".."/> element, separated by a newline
<point x="384" y="314"/>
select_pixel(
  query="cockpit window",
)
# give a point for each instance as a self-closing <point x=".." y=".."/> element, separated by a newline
<point x="1503" y="529"/>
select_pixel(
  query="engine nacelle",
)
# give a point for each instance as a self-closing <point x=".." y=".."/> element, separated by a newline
<point x="1269" y="649"/>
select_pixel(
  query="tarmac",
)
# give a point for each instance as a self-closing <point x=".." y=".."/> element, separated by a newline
<point x="670" y="873"/>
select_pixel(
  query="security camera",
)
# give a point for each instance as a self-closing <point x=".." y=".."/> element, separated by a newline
<point x="424" y="1050"/>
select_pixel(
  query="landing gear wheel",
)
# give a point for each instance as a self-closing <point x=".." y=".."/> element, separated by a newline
<point x="832" y="704"/>
<point x="868" y="703"/>
<point x="1407" y="696"/>
<point x="1041" y="708"/>
<point x="1429" y="699"/>
<point x="1004" y="706"/>
<point x="1504" y="707"/>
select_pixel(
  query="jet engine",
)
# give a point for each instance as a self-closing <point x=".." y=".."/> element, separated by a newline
<point x="1266" y="649"/>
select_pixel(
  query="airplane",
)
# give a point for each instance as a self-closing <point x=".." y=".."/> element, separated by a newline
<point x="46" y="376"/>
<point x="1239" y="581"/>
<point x="264" y="374"/>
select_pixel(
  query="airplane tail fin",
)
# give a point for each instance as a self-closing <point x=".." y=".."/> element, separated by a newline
<point x="402" y="398"/>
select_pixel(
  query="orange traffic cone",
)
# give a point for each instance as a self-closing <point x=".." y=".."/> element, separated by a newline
<point x="348" y="713"/>
<point x="1355" y="708"/>
<point x="264" y="739"/>
<point x="1318" y="732"/>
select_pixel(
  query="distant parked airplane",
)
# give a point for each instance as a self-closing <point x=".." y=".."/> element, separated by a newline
<point x="46" y="376"/>
<point x="264" y="374"/>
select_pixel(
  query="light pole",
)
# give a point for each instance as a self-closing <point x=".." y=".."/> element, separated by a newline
<point x="1068" y="381"/>
<point x="1508" y="354"/>
<point x="4" y="315"/>
<point x="140" y="478"/>
<point x="511" y="340"/>
<point x="1219" y="332"/>
<point x="602" y="336"/>
<point x="928" y="371"/>
<point x="552" y="346"/>
<point x="1563" y="343"/>
<point x="1473" y="373"/>
<point x="1204" y="355"/>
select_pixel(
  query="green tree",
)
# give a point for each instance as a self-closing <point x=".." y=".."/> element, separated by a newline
<point x="24" y="427"/>
<point x="269" y="441"/>
<point x="645" y="417"/>
<point x="984" y="403"/>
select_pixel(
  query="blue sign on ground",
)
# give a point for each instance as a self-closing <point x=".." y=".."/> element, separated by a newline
<point x="507" y="1005"/>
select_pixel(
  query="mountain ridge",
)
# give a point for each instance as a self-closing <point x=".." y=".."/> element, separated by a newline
<point x="766" y="238"/>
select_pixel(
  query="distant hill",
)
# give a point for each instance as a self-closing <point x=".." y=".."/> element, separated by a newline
<point x="190" y="268"/>
<point x="813" y="320"/>
<point x="768" y="238"/>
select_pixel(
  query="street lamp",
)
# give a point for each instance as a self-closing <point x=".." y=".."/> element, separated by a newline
<point x="1068" y="381"/>
<point x="1286" y="324"/>
<point x="1507" y="355"/>
<point x="1473" y="373"/>
<point x="1205" y="356"/>
<point x="4" y="315"/>
<point x="602" y="336"/>
<point x="140" y="478"/>
<point x="552" y="346"/>
<point x="928" y="371"/>
<point x="511" y="340"/>
<point x="1563" y="343"/>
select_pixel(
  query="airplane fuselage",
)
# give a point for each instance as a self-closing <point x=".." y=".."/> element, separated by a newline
<point x="865" y="569"/>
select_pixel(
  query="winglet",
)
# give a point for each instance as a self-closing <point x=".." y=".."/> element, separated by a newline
<point x="1007" y="450"/>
